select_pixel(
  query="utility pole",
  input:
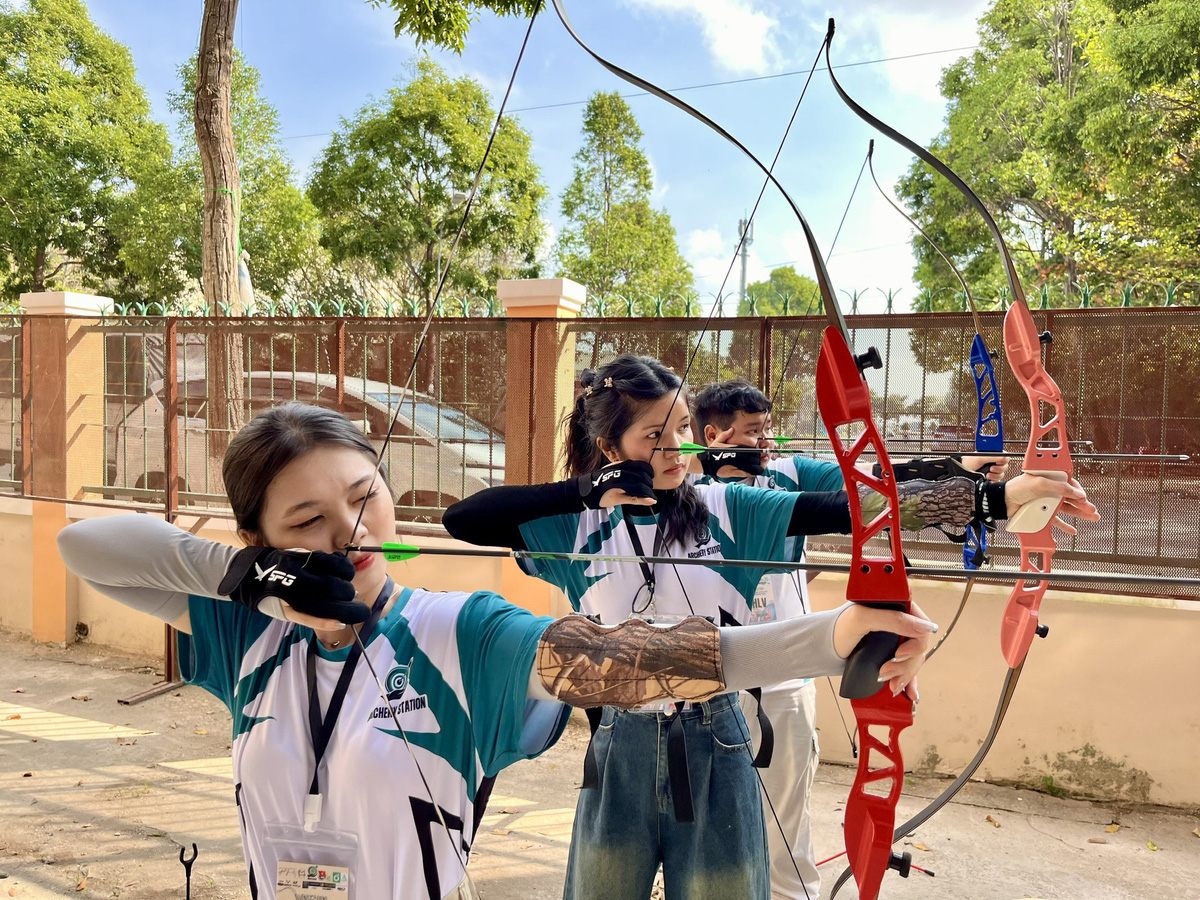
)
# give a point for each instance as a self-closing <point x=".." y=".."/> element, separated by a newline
<point x="746" y="233"/>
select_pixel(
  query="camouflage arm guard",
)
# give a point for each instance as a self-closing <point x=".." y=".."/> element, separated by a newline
<point x="926" y="503"/>
<point x="629" y="665"/>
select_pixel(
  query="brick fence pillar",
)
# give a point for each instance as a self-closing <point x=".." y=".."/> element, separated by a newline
<point x="540" y="391"/>
<point x="67" y="448"/>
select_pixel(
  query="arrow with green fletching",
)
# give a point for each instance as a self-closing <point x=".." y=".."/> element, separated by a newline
<point x="690" y="449"/>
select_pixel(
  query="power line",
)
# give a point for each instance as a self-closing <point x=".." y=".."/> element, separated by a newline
<point x="709" y="84"/>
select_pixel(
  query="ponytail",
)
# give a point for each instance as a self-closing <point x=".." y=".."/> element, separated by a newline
<point x="581" y="453"/>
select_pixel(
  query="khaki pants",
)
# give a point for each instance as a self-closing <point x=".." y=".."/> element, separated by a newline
<point x="465" y="891"/>
<point x="788" y="782"/>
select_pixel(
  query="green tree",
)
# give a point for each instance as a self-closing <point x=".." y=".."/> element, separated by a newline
<point x="385" y="188"/>
<point x="1077" y="143"/>
<point x="78" y="152"/>
<point x="614" y="242"/>
<point x="783" y="293"/>
<point x="446" y="22"/>
<point x="279" y="227"/>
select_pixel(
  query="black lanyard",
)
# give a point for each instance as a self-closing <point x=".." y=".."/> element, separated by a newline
<point x="647" y="569"/>
<point x="322" y="730"/>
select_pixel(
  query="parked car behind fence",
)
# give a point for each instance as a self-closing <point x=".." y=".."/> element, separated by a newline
<point x="436" y="454"/>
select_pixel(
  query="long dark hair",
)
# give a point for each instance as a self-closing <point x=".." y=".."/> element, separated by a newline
<point x="271" y="441"/>
<point x="618" y="393"/>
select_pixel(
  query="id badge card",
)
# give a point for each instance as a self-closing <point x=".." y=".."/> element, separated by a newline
<point x="311" y="865"/>
<point x="763" y="609"/>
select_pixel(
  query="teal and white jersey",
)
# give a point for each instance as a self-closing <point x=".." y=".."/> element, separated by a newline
<point x="784" y="595"/>
<point x="456" y="667"/>
<point x="743" y="523"/>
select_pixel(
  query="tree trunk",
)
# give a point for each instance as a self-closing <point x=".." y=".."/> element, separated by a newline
<point x="219" y="250"/>
<point x="39" y="271"/>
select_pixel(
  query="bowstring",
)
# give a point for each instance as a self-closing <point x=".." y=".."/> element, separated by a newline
<point x="444" y="275"/>
<point x="795" y="575"/>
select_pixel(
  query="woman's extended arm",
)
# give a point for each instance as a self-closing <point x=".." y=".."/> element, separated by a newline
<point x="582" y="663"/>
<point x="145" y="563"/>
<point x="493" y="517"/>
<point x="152" y="566"/>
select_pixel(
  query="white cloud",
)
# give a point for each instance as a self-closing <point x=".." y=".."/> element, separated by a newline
<point x="902" y="27"/>
<point x="740" y="38"/>
<point x="659" y="189"/>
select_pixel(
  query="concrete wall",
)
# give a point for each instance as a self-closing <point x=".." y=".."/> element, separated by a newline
<point x="1106" y="705"/>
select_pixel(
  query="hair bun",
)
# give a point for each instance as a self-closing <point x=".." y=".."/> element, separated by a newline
<point x="587" y="377"/>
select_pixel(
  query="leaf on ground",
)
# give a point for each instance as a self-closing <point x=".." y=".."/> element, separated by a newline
<point x="82" y="886"/>
<point x="126" y="742"/>
<point x="27" y="775"/>
<point x="201" y="731"/>
<point x="13" y="716"/>
<point x="995" y="824"/>
<point x="501" y="831"/>
<point x="1152" y="845"/>
<point x="17" y="691"/>
<point x="1113" y="828"/>
<point x="1097" y="840"/>
<point x="1196" y="832"/>
<point x="921" y="846"/>
<point x="509" y="811"/>
<point x="12" y="892"/>
<point x="83" y="697"/>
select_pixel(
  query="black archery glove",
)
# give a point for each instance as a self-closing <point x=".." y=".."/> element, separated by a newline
<point x="925" y="468"/>
<point x="316" y="584"/>
<point x="634" y="477"/>
<point x="716" y="458"/>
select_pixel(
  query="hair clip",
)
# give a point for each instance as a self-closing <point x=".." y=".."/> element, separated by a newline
<point x="608" y="382"/>
<point x="587" y="391"/>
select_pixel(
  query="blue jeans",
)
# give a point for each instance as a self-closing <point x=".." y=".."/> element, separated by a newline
<point x="625" y="828"/>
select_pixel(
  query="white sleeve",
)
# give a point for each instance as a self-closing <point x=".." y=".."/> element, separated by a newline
<point x="145" y="563"/>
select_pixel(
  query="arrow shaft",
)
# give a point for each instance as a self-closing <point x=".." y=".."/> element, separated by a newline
<point x="991" y="575"/>
<point x="687" y="450"/>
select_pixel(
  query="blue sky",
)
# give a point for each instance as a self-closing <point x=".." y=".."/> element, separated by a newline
<point x="322" y="60"/>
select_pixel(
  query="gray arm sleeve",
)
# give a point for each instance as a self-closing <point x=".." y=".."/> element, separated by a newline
<point x="774" y="652"/>
<point x="145" y="563"/>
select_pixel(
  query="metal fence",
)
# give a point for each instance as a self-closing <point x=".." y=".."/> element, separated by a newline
<point x="1130" y="377"/>
<point x="447" y="441"/>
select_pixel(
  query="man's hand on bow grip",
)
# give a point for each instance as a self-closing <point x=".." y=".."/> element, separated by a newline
<point x="990" y="467"/>
<point x="625" y="483"/>
<point x="317" y="585"/>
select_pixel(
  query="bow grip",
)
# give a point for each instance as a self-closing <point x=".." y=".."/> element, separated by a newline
<point x="861" y="678"/>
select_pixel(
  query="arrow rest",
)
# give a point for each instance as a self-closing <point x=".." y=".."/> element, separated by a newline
<point x="1042" y="630"/>
<point x="1046" y="337"/>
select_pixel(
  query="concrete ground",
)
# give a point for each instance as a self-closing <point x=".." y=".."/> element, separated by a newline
<point x="96" y="799"/>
